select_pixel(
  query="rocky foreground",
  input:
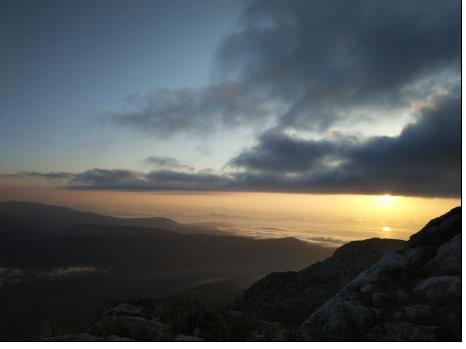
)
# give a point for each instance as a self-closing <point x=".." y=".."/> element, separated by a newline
<point x="371" y="290"/>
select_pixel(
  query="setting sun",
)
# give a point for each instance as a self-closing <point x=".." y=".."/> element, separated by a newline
<point x="385" y="200"/>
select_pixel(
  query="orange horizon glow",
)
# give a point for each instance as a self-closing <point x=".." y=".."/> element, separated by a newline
<point x="342" y="216"/>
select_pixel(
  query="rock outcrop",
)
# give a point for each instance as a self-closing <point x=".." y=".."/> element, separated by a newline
<point x="290" y="297"/>
<point x="410" y="295"/>
<point x="176" y="319"/>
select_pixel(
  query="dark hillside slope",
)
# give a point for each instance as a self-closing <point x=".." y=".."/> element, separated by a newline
<point x="64" y="274"/>
<point x="50" y="218"/>
<point x="289" y="297"/>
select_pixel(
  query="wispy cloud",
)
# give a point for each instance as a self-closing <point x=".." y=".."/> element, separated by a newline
<point x="199" y="111"/>
<point x="166" y="162"/>
<point x="70" y="271"/>
<point x="326" y="239"/>
<point x="12" y="275"/>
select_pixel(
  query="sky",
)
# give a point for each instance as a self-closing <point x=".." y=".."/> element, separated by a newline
<point x="242" y="99"/>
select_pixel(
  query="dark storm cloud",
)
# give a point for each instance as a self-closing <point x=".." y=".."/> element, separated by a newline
<point x="325" y="58"/>
<point x="290" y="154"/>
<point x="308" y="64"/>
<point x="167" y="162"/>
<point x="425" y="159"/>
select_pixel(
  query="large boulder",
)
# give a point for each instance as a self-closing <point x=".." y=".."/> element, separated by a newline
<point x="343" y="317"/>
<point x="419" y="313"/>
<point x="184" y="338"/>
<point x="128" y="309"/>
<point x="447" y="261"/>
<point x="390" y="265"/>
<point x="338" y="319"/>
<point x="406" y="331"/>
<point x="85" y="337"/>
<point x="440" y="289"/>
<point x="438" y="230"/>
<point x="131" y="327"/>
<point x="419" y="255"/>
<point x="78" y="337"/>
<point x="381" y="299"/>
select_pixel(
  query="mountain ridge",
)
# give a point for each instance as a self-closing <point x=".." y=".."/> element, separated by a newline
<point x="55" y="217"/>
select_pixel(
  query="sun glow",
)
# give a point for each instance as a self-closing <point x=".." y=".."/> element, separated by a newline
<point x="348" y="217"/>
<point x="385" y="200"/>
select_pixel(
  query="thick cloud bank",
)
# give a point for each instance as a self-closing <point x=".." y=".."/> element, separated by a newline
<point x="424" y="160"/>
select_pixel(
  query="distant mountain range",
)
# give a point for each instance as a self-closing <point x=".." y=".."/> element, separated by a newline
<point x="50" y="218"/>
<point x="56" y="261"/>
